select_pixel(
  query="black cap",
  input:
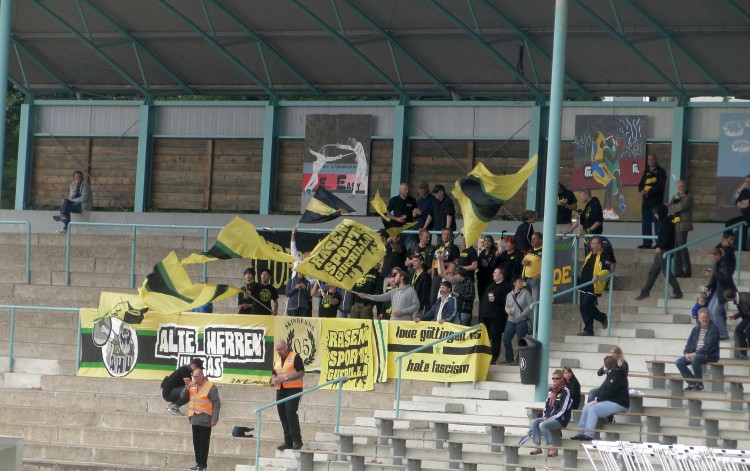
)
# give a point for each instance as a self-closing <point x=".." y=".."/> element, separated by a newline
<point x="438" y="188"/>
<point x="424" y="185"/>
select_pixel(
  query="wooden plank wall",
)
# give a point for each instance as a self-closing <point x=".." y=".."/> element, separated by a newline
<point x="108" y="164"/>
<point x="224" y="174"/>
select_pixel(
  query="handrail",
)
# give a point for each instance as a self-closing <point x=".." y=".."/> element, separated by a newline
<point x="341" y="380"/>
<point x="40" y="308"/>
<point x="134" y="227"/>
<point x="399" y="359"/>
<point x="28" y="246"/>
<point x="668" y="255"/>
<point x="535" y="305"/>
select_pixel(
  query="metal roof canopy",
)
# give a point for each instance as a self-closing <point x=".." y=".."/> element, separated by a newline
<point x="407" y="49"/>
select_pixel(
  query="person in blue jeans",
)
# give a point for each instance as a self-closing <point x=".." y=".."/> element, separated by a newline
<point x="612" y="398"/>
<point x="78" y="200"/>
<point x="517" y="307"/>
<point x="702" y="346"/>
<point x="555" y="416"/>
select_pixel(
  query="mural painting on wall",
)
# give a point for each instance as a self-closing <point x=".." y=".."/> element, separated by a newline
<point x="609" y="156"/>
<point x="733" y="163"/>
<point x="337" y="157"/>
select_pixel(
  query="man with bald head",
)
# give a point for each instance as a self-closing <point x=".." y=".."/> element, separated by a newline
<point x="203" y="411"/>
<point x="288" y="371"/>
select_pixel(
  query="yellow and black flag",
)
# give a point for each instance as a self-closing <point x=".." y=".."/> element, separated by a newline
<point x="481" y="195"/>
<point x="239" y="239"/>
<point x="324" y="206"/>
<point x="168" y="289"/>
<point x="392" y="226"/>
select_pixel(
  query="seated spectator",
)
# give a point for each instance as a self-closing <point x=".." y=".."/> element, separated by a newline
<point x="702" y="346"/>
<point x="571" y="382"/>
<point x="555" y="416"/>
<point x="616" y="353"/>
<point x="741" y="330"/>
<point x="78" y="200"/>
<point x="612" y="398"/>
<point x="445" y="308"/>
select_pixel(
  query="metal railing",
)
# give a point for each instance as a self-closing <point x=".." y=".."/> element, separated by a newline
<point x="28" y="246"/>
<point x="134" y="238"/>
<point x="535" y="305"/>
<point x="668" y="255"/>
<point x="40" y="308"/>
<point x="341" y="380"/>
<point x="399" y="360"/>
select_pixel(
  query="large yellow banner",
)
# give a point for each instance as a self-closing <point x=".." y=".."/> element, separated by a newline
<point x="464" y="358"/>
<point x="235" y="349"/>
<point x="354" y="348"/>
<point x="302" y="334"/>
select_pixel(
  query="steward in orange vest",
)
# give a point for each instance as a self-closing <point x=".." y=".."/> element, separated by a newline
<point x="288" y="371"/>
<point x="204" y="406"/>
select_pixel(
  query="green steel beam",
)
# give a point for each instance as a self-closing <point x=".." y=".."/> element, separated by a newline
<point x="267" y="47"/>
<point x="42" y="65"/>
<point x="123" y="73"/>
<point x="216" y="45"/>
<point x="625" y="43"/>
<point x="616" y="15"/>
<point x="491" y="50"/>
<point x="680" y="134"/>
<point x="6" y="10"/>
<point x="537" y="134"/>
<point x="528" y="40"/>
<point x="20" y="86"/>
<point x="271" y="128"/>
<point x="349" y="47"/>
<point x="675" y="67"/>
<point x="209" y="22"/>
<point x="337" y="14"/>
<point x="401" y="130"/>
<point x="139" y="46"/>
<point x="690" y="58"/>
<point x="23" y="171"/>
<point x="738" y="9"/>
<point x="552" y="160"/>
<point x="143" y="159"/>
<point x="397" y="45"/>
<point x="83" y="20"/>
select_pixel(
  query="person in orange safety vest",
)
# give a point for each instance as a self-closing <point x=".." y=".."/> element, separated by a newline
<point x="203" y="412"/>
<point x="288" y="371"/>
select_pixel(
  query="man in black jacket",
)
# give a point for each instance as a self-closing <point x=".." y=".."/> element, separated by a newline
<point x="665" y="242"/>
<point x="741" y="330"/>
<point x="492" y="310"/>
<point x="421" y="282"/>
<point x="652" y="185"/>
<point x="173" y="385"/>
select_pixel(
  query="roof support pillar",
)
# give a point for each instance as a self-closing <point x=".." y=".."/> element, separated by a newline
<point x="539" y="118"/>
<point x="401" y="130"/>
<point x="271" y="128"/>
<point x="550" y="196"/>
<point x="143" y="159"/>
<point x="680" y="135"/>
<point x="23" y="172"/>
<point x="5" y="12"/>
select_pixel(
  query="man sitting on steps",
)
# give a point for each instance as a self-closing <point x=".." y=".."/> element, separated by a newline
<point x="78" y="201"/>
<point x="702" y="346"/>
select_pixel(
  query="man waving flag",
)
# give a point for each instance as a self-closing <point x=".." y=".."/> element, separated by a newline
<point x="481" y="195"/>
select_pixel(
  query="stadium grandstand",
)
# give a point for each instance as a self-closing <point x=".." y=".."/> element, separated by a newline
<point x="187" y="119"/>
